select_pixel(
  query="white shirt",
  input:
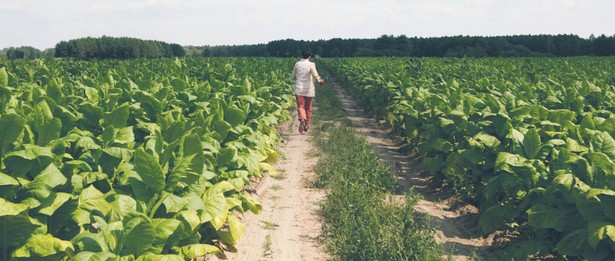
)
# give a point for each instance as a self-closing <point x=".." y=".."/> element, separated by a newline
<point x="304" y="74"/>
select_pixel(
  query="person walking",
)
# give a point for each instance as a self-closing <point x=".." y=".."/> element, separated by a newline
<point x="304" y="74"/>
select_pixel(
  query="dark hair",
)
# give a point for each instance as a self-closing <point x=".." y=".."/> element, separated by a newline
<point x="305" y="54"/>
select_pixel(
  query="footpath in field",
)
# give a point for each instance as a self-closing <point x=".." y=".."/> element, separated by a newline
<point x="290" y="224"/>
<point x="455" y="229"/>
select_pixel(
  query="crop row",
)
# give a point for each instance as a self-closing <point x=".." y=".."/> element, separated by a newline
<point x="139" y="159"/>
<point x="530" y="141"/>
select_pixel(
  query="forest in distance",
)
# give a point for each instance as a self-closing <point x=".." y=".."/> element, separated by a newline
<point x="386" y="45"/>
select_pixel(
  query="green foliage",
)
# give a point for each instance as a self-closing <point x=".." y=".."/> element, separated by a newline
<point x="4" y="77"/>
<point x="403" y="46"/>
<point x="528" y="140"/>
<point x="137" y="159"/>
<point x="25" y="52"/>
<point x="362" y="225"/>
<point x="116" y="48"/>
<point x="43" y="247"/>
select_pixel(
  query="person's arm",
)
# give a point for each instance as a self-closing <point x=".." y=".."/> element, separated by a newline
<point x="294" y="74"/>
<point x="314" y="73"/>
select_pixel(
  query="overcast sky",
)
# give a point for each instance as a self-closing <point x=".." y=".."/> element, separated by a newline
<point x="43" y="23"/>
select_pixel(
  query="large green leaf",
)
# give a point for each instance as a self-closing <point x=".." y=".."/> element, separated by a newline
<point x="157" y="257"/>
<point x="6" y="180"/>
<point x="174" y="203"/>
<point x="190" y="219"/>
<point x="608" y="126"/>
<point x="197" y="250"/>
<point x="179" y="85"/>
<point x="52" y="203"/>
<point x="118" y="117"/>
<point x="68" y="117"/>
<point x="216" y="209"/>
<point x="147" y="167"/>
<point x="496" y="216"/>
<point x="581" y="168"/>
<point x="235" y="116"/>
<point x="50" y="130"/>
<point x="4" y="77"/>
<point x="250" y="203"/>
<point x="54" y="91"/>
<point x="493" y="103"/>
<point x="561" y="116"/>
<point x="91" y="115"/>
<point x="91" y="256"/>
<point x="234" y="231"/>
<point x="189" y="167"/>
<point x="475" y="156"/>
<point x="531" y="143"/>
<point x="175" y="131"/>
<point x="175" y="180"/>
<point x="569" y="182"/>
<point x="94" y="241"/>
<point x="488" y="140"/>
<point x="44" y="247"/>
<point x="228" y="156"/>
<point x="91" y="93"/>
<point x="137" y="236"/>
<point x="216" y="206"/>
<point x="51" y="176"/>
<point x="164" y="230"/>
<point x="48" y="179"/>
<point x="11" y="126"/>
<point x="599" y="231"/>
<point x="124" y="136"/>
<point x="111" y="158"/>
<point x="505" y="160"/>
<point x="574" y="146"/>
<point x="602" y="161"/>
<point x="16" y="226"/>
<point x="441" y="145"/>
<point x="603" y="142"/>
<point x="574" y="243"/>
<point x="249" y="161"/>
<point x="149" y="103"/>
<point x="446" y="125"/>
<point x="121" y="206"/>
<point x="542" y="216"/>
<point x="432" y="163"/>
<point x="42" y="114"/>
<point x="221" y="128"/>
<point x="90" y="202"/>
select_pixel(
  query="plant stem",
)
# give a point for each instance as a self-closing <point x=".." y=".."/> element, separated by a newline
<point x="164" y="195"/>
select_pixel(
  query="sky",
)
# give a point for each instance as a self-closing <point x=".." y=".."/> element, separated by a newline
<point x="43" y="23"/>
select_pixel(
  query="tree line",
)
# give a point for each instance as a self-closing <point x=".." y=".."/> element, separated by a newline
<point x="25" y="52"/>
<point x="116" y="48"/>
<point x="385" y="45"/>
<point x="450" y="46"/>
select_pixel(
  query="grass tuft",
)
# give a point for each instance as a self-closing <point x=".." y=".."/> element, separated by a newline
<point x="360" y="223"/>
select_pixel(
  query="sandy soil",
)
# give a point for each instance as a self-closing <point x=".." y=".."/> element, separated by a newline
<point x="290" y="224"/>
<point x="456" y="226"/>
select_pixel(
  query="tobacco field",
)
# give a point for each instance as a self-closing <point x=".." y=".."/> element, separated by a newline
<point x="527" y="140"/>
<point x="134" y="160"/>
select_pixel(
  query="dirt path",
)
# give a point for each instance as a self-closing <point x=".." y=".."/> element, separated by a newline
<point x="290" y="224"/>
<point x="455" y="229"/>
